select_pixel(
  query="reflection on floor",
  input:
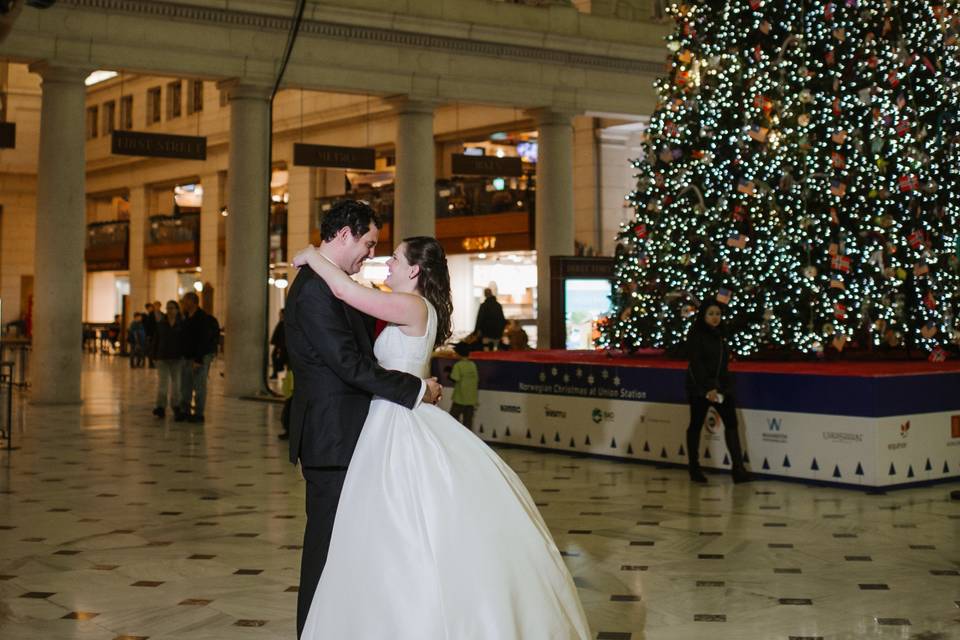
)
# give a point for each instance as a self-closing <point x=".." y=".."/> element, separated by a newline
<point x="117" y="525"/>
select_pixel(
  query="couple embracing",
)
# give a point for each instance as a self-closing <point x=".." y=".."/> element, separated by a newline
<point x="416" y="529"/>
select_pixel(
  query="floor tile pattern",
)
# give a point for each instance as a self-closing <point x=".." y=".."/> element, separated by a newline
<point x="115" y="525"/>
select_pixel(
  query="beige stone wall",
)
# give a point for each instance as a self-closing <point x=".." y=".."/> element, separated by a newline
<point x="18" y="185"/>
<point x="630" y="10"/>
<point x="584" y="185"/>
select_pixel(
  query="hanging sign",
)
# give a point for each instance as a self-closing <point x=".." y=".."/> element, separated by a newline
<point x="8" y="135"/>
<point x="158" y="145"/>
<point x="464" y="165"/>
<point x="321" y="155"/>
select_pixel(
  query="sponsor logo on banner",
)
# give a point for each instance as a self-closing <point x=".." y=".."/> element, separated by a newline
<point x="772" y="434"/>
<point x="713" y="421"/>
<point x="904" y="432"/>
<point x="510" y="408"/>
<point x="599" y="415"/>
<point x="841" y="437"/>
<point x="554" y="413"/>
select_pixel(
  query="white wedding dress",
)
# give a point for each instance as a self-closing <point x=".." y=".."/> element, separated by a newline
<point x="435" y="537"/>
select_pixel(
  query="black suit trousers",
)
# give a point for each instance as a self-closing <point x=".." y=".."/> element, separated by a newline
<point x="324" y="485"/>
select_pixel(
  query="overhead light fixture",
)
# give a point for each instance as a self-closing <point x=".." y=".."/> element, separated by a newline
<point x="98" y="76"/>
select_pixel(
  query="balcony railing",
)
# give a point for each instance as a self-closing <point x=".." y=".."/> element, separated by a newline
<point x="173" y="241"/>
<point x="473" y="215"/>
<point x="108" y="246"/>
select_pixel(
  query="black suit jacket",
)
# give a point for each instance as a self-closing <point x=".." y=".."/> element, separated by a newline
<point x="330" y="346"/>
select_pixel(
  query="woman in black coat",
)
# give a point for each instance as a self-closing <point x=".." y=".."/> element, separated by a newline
<point x="709" y="383"/>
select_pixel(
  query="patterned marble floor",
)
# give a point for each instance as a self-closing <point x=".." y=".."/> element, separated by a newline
<point x="115" y="525"/>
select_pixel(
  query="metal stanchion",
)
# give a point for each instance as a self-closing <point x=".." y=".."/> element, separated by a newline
<point x="18" y="348"/>
<point x="6" y="375"/>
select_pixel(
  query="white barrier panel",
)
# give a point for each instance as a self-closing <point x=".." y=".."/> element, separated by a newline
<point x="839" y="449"/>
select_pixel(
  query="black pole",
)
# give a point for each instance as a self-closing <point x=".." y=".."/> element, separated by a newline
<point x="291" y="40"/>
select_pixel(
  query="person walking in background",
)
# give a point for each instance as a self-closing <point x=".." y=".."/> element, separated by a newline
<point x="490" y="321"/>
<point x="709" y="384"/>
<point x="167" y="350"/>
<point x="109" y="337"/>
<point x="466" y="380"/>
<point x="279" y="354"/>
<point x="137" y="339"/>
<point x="150" y="328"/>
<point x="286" y="388"/>
<point x="201" y="341"/>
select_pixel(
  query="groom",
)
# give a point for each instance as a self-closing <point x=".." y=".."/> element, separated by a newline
<point x="331" y="353"/>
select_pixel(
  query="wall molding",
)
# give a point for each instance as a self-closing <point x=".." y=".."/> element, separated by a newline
<point x="264" y="22"/>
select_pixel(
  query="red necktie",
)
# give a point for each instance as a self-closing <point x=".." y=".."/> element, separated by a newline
<point x="378" y="329"/>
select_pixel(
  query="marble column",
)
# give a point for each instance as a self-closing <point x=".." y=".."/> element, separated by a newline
<point x="61" y="232"/>
<point x="414" y="199"/>
<point x="213" y="184"/>
<point x="302" y="189"/>
<point x="139" y="274"/>
<point x="554" y="212"/>
<point x="248" y="203"/>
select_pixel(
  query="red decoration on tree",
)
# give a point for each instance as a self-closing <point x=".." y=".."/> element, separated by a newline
<point x="908" y="183"/>
<point x="917" y="238"/>
<point x="841" y="263"/>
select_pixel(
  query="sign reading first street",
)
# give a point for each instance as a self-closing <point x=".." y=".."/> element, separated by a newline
<point x="158" y="145"/>
<point x="321" y="155"/>
<point x="8" y="135"/>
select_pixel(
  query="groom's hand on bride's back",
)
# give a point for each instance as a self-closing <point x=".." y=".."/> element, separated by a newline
<point x="434" y="391"/>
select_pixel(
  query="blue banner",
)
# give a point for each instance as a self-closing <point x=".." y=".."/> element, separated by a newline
<point x="858" y="396"/>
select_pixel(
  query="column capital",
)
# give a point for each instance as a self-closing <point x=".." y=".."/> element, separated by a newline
<point x="237" y="89"/>
<point x="412" y="104"/>
<point x="55" y="71"/>
<point x="552" y="115"/>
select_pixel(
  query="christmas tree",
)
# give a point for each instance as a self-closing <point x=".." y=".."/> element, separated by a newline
<point x="801" y="168"/>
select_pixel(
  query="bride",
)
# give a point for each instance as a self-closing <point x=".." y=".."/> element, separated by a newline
<point x="435" y="537"/>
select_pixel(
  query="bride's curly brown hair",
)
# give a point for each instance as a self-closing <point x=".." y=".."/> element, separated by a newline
<point x="434" y="279"/>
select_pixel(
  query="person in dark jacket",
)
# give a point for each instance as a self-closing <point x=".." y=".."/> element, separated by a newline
<point x="201" y="341"/>
<point x="709" y="384"/>
<point x="137" y="339"/>
<point x="150" y="327"/>
<point x="490" y="321"/>
<point x="278" y="356"/>
<point x="167" y="350"/>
